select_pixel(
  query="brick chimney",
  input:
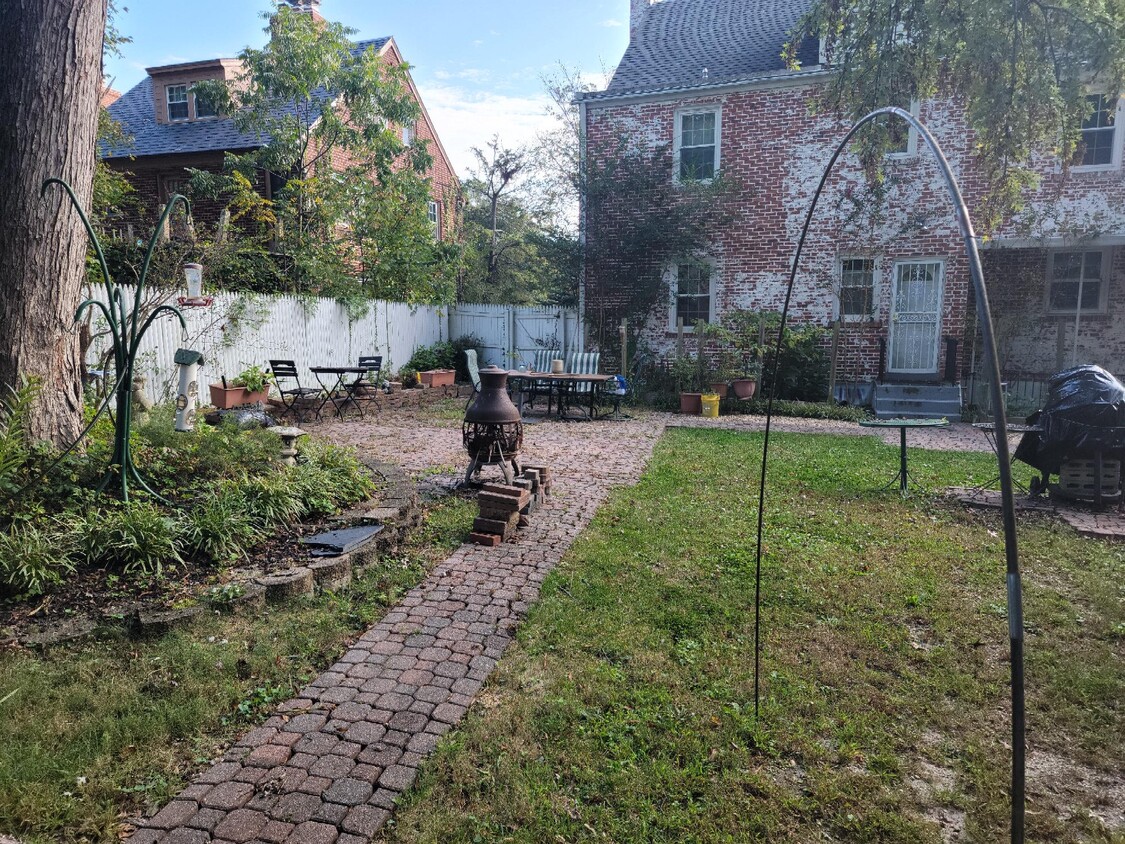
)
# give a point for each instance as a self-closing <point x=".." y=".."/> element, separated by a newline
<point x="308" y="7"/>
<point x="638" y="9"/>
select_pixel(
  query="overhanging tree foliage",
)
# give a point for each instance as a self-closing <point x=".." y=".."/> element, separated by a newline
<point x="1023" y="69"/>
<point x="350" y="196"/>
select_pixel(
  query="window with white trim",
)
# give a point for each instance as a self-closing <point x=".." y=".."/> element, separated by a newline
<point x="903" y="136"/>
<point x="434" y="213"/>
<point x="692" y="284"/>
<point x="1099" y="132"/>
<point x="408" y="134"/>
<point x="857" y="289"/>
<point x="177" y="102"/>
<point x="1075" y="277"/>
<point x="204" y="108"/>
<point x="698" y="135"/>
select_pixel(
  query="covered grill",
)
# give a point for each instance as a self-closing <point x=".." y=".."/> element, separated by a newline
<point x="492" y="430"/>
<point x="1081" y="437"/>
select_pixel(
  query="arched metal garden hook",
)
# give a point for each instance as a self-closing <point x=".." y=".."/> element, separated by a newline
<point x="1011" y="551"/>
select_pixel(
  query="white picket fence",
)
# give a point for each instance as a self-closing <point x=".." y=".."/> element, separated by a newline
<point x="241" y="330"/>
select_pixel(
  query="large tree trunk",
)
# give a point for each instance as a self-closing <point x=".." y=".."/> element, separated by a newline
<point x="50" y="82"/>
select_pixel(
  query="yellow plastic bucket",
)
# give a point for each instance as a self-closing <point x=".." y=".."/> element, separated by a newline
<point x="711" y="405"/>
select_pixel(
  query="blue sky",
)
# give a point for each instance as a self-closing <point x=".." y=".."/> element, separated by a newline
<point x="477" y="64"/>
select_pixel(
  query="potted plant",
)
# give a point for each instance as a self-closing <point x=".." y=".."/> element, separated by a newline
<point x="745" y="329"/>
<point x="437" y="377"/>
<point x="720" y="342"/>
<point x="251" y="386"/>
<point x="685" y="375"/>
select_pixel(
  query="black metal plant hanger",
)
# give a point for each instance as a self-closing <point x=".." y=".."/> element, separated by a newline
<point x="1011" y="552"/>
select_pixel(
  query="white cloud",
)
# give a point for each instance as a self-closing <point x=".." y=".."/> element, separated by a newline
<point x="610" y="22"/>
<point x="465" y="119"/>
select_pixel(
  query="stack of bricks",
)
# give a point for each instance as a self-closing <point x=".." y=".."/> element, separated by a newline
<point x="506" y="507"/>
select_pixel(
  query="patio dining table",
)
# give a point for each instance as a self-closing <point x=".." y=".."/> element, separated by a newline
<point x="566" y="384"/>
<point x="342" y="392"/>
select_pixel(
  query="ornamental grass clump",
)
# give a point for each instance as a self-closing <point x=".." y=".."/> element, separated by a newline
<point x="137" y="538"/>
<point x="33" y="559"/>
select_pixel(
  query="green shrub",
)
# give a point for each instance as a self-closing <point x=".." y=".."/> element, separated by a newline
<point x="328" y="477"/>
<point x="797" y="409"/>
<point x="445" y="355"/>
<point x="14" y="445"/>
<point x="138" y="537"/>
<point x="271" y="500"/>
<point x="32" y="559"/>
<point x="220" y="526"/>
<point x="803" y="372"/>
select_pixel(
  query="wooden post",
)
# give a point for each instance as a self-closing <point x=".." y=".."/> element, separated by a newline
<point x="624" y="347"/>
<point x="836" y="329"/>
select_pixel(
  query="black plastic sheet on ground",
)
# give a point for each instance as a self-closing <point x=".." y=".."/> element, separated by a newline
<point x="1084" y="415"/>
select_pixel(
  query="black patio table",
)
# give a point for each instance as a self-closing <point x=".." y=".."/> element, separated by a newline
<point x="342" y="393"/>
<point x="903" y="477"/>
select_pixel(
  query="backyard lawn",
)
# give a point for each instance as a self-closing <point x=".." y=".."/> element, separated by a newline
<point x="625" y="711"/>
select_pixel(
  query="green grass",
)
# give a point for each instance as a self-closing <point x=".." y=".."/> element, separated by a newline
<point x="91" y="731"/>
<point x="624" y="712"/>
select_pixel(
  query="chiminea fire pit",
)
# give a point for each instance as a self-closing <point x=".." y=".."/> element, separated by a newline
<point x="493" y="431"/>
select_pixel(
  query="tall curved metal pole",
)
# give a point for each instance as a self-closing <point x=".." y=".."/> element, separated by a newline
<point x="1011" y="551"/>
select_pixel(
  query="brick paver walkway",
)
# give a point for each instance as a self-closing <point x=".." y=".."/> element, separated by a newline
<point x="328" y="767"/>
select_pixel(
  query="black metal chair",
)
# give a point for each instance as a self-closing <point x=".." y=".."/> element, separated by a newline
<point x="292" y="398"/>
<point x="366" y="387"/>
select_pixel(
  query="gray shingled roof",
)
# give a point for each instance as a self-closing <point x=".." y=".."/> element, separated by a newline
<point x="734" y="39"/>
<point x="136" y="114"/>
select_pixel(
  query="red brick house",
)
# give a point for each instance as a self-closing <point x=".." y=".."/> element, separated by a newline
<point x="172" y="129"/>
<point x="705" y="78"/>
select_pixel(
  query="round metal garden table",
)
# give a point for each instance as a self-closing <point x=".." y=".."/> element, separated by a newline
<point x="903" y="476"/>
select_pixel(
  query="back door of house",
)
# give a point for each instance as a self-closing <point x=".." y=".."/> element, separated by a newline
<point x="916" y="303"/>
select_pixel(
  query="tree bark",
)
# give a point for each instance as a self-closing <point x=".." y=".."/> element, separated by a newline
<point x="50" y="82"/>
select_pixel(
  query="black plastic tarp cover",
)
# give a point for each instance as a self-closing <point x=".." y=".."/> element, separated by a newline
<point x="1084" y="414"/>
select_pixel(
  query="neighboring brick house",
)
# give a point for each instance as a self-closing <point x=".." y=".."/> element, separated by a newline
<point x="172" y="129"/>
<point x="706" y="78"/>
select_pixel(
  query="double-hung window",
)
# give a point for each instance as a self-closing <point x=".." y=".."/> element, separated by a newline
<point x="698" y="134"/>
<point x="692" y="283"/>
<point x="435" y="219"/>
<point x="857" y="289"/>
<point x="177" y="102"/>
<point x="1098" y="132"/>
<point x="1077" y="277"/>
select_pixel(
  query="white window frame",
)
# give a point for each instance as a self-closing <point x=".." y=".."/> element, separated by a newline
<point x="875" y="288"/>
<point x="1116" y="155"/>
<point x="671" y="278"/>
<point x="911" y="137"/>
<point x="433" y="211"/>
<point x="409" y="134"/>
<point x="186" y="102"/>
<point x="678" y="134"/>
<point x="1104" y="281"/>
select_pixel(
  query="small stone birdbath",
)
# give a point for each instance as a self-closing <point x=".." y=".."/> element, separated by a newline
<point x="289" y="437"/>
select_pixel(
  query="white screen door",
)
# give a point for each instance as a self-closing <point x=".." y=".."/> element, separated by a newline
<point x="916" y="318"/>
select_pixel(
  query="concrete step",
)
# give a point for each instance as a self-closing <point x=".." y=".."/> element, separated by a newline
<point x="917" y="401"/>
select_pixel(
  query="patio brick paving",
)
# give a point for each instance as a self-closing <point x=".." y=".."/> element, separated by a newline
<point x="329" y="766"/>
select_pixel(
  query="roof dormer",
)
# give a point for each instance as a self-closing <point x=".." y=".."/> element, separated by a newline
<point x="174" y="101"/>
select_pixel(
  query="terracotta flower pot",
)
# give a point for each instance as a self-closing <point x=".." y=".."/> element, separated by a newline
<point x="745" y="388"/>
<point x="691" y="403"/>
<point x="225" y="398"/>
<point x="719" y="389"/>
<point x="437" y="377"/>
